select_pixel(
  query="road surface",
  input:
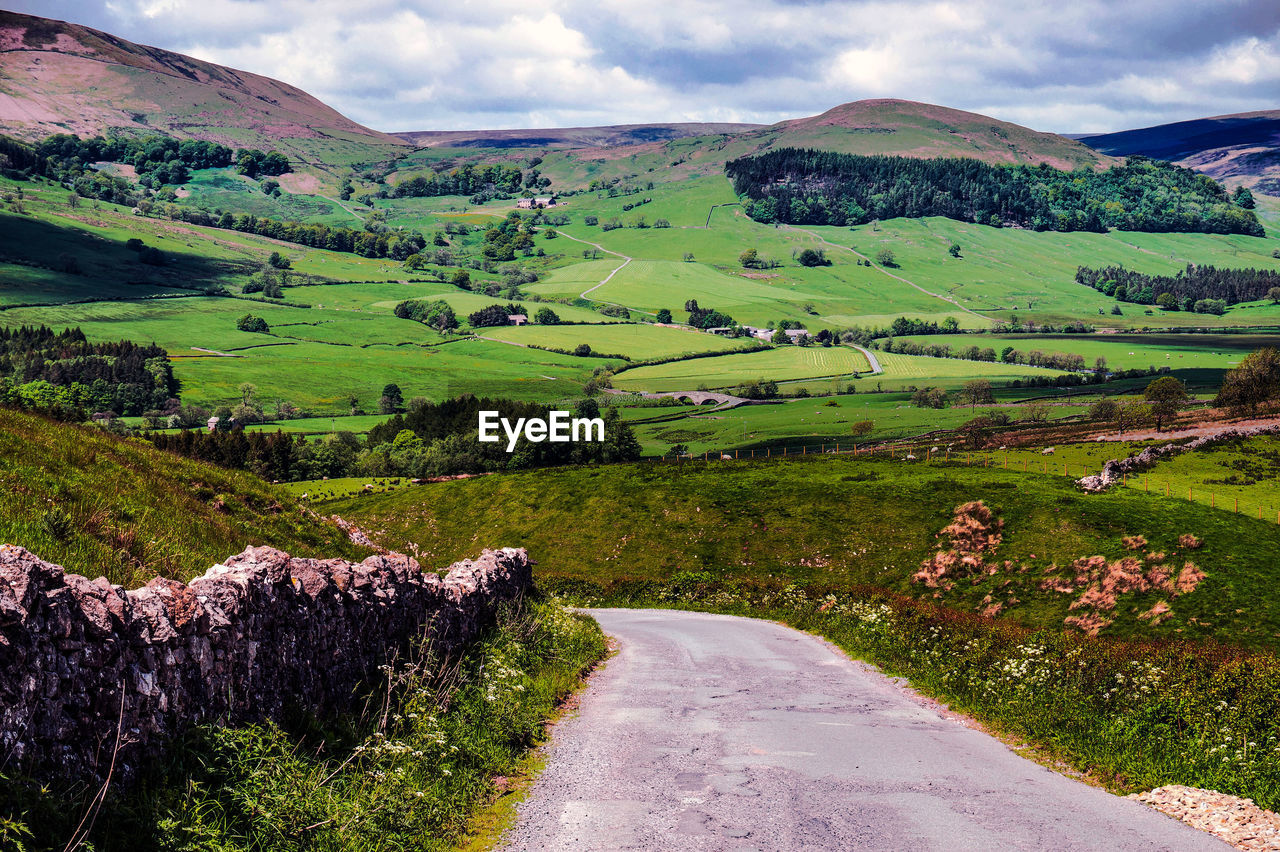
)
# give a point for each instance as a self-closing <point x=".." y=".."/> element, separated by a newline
<point x="714" y="732"/>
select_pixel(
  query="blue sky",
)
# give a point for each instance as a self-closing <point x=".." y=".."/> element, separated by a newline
<point x="468" y="64"/>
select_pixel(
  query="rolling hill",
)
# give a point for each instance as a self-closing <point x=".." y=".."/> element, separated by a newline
<point x="1243" y="148"/>
<point x="881" y="126"/>
<point x="568" y="137"/>
<point x="58" y="77"/>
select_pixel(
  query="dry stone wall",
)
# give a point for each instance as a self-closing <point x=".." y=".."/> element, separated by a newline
<point x="85" y="665"/>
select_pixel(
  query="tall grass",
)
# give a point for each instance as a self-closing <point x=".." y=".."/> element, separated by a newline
<point x="405" y="774"/>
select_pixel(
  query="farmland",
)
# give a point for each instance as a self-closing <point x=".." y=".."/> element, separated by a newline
<point x="338" y="339"/>
<point x="725" y="371"/>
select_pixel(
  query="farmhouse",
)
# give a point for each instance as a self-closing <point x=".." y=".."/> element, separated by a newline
<point x="539" y="202"/>
<point x="517" y="319"/>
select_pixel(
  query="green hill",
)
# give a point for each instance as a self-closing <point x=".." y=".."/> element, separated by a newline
<point x="881" y="126"/>
<point x="105" y="506"/>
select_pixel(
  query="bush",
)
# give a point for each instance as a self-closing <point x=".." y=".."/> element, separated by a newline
<point x="249" y="322"/>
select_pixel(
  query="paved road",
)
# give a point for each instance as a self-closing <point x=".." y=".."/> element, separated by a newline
<point x="712" y="732"/>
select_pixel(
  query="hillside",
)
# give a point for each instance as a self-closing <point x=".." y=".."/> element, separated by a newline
<point x="1243" y="148"/>
<point x="58" y="77"/>
<point x="568" y="137"/>
<point x="881" y="126"/>
<point x="106" y="506"/>
<point x="840" y="523"/>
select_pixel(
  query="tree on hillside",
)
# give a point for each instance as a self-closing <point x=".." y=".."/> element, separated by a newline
<point x="664" y="316"/>
<point x="886" y="257"/>
<point x="929" y="397"/>
<point x="249" y="322"/>
<point x="749" y="259"/>
<point x="1164" y="396"/>
<point x="546" y="316"/>
<point x="1274" y="295"/>
<point x="812" y="257"/>
<point x="1254" y="382"/>
<point x="977" y="392"/>
<point x="954" y="249"/>
<point x="1104" y="410"/>
<point x="392" y="399"/>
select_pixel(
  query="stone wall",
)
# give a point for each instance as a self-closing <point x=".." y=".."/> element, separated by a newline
<point x="84" y="664"/>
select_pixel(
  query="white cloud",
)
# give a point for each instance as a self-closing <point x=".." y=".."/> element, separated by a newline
<point x="421" y="64"/>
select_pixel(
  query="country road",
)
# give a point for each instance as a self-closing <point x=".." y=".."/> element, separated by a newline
<point x="710" y="732"/>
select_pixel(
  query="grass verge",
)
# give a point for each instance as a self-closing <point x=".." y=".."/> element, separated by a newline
<point x="406" y="774"/>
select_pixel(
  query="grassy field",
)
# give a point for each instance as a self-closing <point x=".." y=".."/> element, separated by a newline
<point x="637" y="341"/>
<point x="810" y="422"/>
<point x="1178" y="352"/>
<point x="102" y="506"/>
<point x="723" y="371"/>
<point x="836" y="521"/>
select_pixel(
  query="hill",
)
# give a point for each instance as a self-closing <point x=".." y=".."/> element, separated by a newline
<point x="881" y="126"/>
<point x="568" y="137"/>
<point x="58" y="77"/>
<point x="1244" y="147"/>
<point x="100" y="505"/>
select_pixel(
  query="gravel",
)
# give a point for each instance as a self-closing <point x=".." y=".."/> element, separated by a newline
<point x="1235" y="820"/>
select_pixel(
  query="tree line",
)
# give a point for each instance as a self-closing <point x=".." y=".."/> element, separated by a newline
<point x="472" y="180"/>
<point x="429" y="439"/>
<point x="808" y="187"/>
<point x="66" y="376"/>
<point x="158" y="160"/>
<point x="1184" y="289"/>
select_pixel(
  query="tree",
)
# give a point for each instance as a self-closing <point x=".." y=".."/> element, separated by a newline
<point x="749" y="259"/>
<point x="392" y="399"/>
<point x="1164" y="397"/>
<point x="1104" y="410"/>
<point x="780" y="336"/>
<point x="860" y="428"/>
<point x="929" y="397"/>
<point x="977" y="392"/>
<point x="279" y="261"/>
<point x="664" y="316"/>
<point x="546" y="316"/>
<point x="1256" y="381"/>
<point x="1274" y="295"/>
<point x="461" y="278"/>
<point x="1036" y="411"/>
<point x="1167" y="302"/>
<point x="249" y="322"/>
<point x="688" y="257"/>
<point x="1008" y="355"/>
<point x="975" y="432"/>
<point x="954" y="250"/>
<point x="812" y="257"/>
<point x="582" y="350"/>
<point x="1132" y="414"/>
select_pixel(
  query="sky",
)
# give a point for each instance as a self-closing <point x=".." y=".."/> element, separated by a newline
<point x="1063" y="66"/>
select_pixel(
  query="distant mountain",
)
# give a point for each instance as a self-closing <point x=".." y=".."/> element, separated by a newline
<point x="568" y="137"/>
<point x="57" y="77"/>
<point x="1242" y="148"/>
<point x="913" y="129"/>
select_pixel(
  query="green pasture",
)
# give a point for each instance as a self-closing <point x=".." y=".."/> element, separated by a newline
<point x="1178" y="352"/>
<point x="638" y="341"/>
<point x="726" y="371"/>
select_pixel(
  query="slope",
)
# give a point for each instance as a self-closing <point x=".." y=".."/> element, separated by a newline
<point x="568" y="137"/>
<point x="882" y="126"/>
<point x="106" y="506"/>
<point x="57" y="77"/>
<point x="1244" y="147"/>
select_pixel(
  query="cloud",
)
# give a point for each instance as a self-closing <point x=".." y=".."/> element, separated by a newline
<point x="420" y="64"/>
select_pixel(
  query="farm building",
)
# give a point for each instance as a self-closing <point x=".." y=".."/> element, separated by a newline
<point x="531" y="203"/>
<point x="517" y="319"/>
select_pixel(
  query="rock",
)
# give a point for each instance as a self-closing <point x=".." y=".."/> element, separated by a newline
<point x="236" y="645"/>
